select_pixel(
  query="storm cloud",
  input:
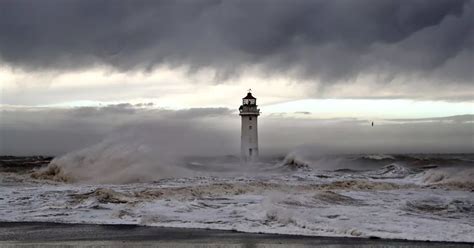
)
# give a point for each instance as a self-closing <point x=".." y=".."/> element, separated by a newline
<point x="327" y="40"/>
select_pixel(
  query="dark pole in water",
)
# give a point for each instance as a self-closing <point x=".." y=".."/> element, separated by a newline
<point x="372" y="123"/>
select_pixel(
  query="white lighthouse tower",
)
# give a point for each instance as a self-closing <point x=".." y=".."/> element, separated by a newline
<point x="249" y="134"/>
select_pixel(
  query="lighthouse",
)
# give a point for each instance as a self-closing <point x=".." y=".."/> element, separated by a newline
<point x="249" y="132"/>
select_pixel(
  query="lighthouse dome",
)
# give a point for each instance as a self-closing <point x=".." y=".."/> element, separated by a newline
<point x="249" y="96"/>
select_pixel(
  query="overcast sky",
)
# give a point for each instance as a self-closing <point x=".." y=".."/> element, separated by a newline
<point x="72" y="72"/>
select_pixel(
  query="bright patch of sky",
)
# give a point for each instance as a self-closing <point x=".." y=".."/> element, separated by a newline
<point x="369" y="108"/>
<point x="176" y="88"/>
<point x="339" y="108"/>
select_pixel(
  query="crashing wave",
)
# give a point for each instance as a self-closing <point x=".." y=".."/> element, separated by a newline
<point x="453" y="177"/>
<point x="293" y="161"/>
<point x="103" y="195"/>
<point x="391" y="171"/>
<point x="112" y="161"/>
<point x="379" y="157"/>
<point x="52" y="172"/>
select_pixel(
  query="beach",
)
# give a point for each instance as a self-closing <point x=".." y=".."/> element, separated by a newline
<point x="28" y="234"/>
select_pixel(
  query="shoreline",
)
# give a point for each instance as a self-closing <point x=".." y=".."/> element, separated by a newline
<point x="51" y="233"/>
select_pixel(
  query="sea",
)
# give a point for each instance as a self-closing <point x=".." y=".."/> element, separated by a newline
<point x="388" y="196"/>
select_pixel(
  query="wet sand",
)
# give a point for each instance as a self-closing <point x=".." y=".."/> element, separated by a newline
<point x="40" y="234"/>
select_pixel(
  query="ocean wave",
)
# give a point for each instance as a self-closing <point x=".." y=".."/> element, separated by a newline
<point x="378" y="157"/>
<point x="452" y="177"/>
<point x="331" y="197"/>
<point x="52" y="172"/>
<point x="103" y="195"/>
<point x="458" y="208"/>
<point x="293" y="161"/>
<point x="113" y="160"/>
<point x="322" y="193"/>
<point x="391" y="171"/>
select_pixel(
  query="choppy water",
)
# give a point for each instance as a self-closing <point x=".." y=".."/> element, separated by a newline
<point x="419" y="197"/>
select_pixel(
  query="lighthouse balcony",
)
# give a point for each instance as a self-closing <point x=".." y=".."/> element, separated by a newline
<point x="249" y="110"/>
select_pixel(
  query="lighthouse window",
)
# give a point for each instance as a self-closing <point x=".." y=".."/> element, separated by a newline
<point x="250" y="118"/>
<point x="250" y="127"/>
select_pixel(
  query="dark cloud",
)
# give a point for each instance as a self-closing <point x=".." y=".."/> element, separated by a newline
<point x="216" y="131"/>
<point x="329" y="40"/>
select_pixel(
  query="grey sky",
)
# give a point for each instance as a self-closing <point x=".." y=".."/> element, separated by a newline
<point x="216" y="131"/>
<point x="194" y="60"/>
